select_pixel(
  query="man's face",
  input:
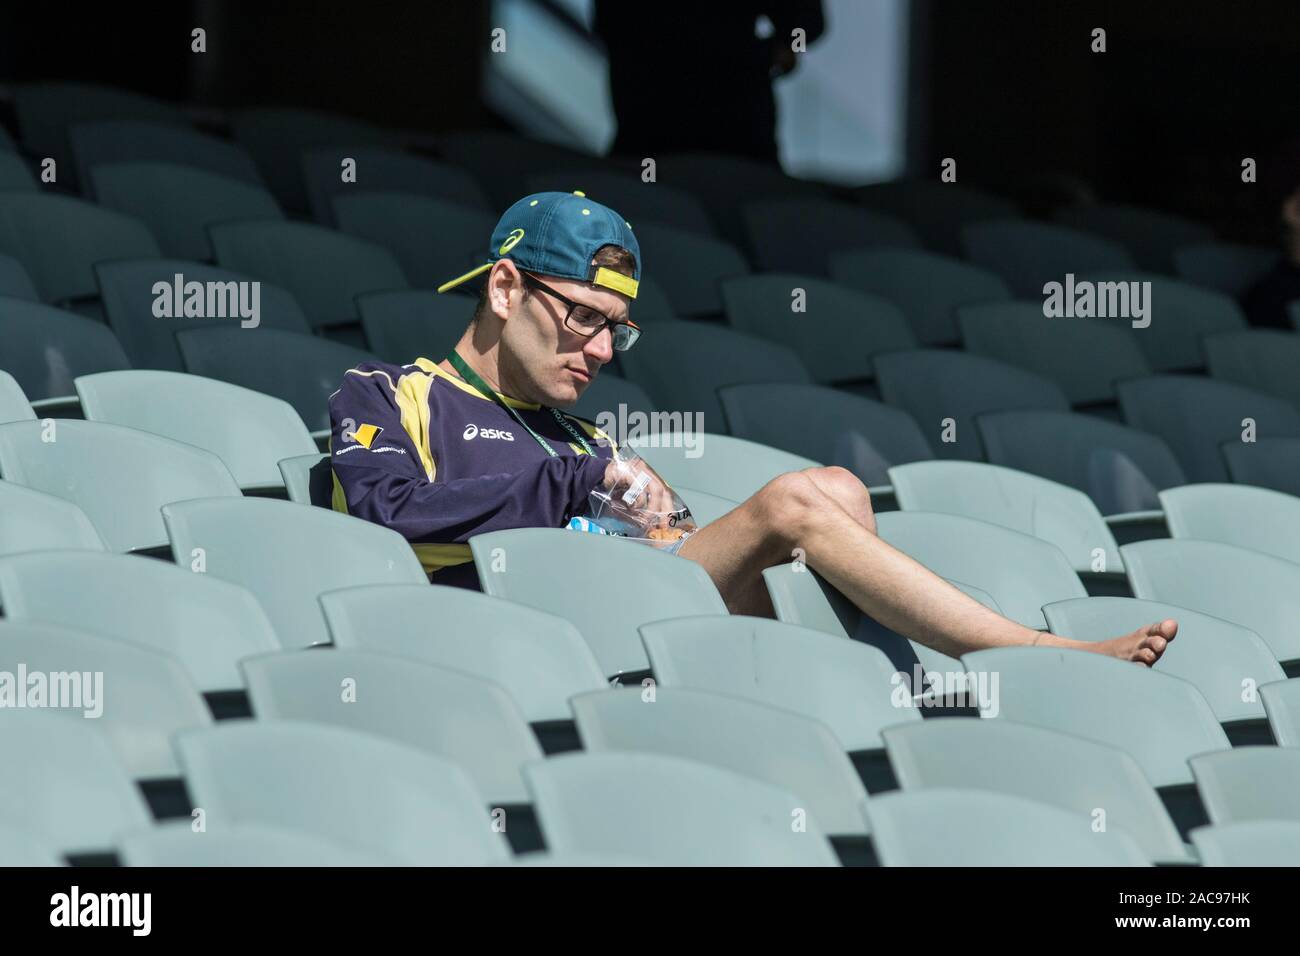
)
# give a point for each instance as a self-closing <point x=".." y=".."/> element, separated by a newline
<point x="543" y="356"/>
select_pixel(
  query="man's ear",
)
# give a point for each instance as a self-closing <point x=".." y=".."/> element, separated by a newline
<point x="503" y="281"/>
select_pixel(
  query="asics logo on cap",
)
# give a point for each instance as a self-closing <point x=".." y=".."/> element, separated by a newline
<point x="511" y="241"/>
<point x="473" y="431"/>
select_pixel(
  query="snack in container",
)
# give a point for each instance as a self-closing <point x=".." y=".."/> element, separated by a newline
<point x="639" y="506"/>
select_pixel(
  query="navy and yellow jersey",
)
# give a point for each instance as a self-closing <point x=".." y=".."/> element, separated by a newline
<point x="417" y="450"/>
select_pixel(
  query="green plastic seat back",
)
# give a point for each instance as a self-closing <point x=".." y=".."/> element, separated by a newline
<point x="1060" y="770"/>
<point x="352" y="788"/>
<point x="541" y="660"/>
<point x="120" y="477"/>
<point x="1268" y="462"/>
<point x="1028" y="254"/>
<point x="1257" y="591"/>
<point x="926" y="287"/>
<point x="1253" y="843"/>
<point x="1225" y="267"/>
<point x="102" y="142"/>
<point x="1056" y="513"/>
<point x="1160" y="721"/>
<point x="36" y="521"/>
<point x="827" y="425"/>
<point x="1247" y="517"/>
<point x="464" y="719"/>
<point x="847" y="685"/>
<point x="1249" y="783"/>
<point x="58" y="239"/>
<point x="943" y="390"/>
<point x="621" y="585"/>
<point x="433" y="239"/>
<point x="323" y="269"/>
<point x="800" y="234"/>
<point x="404" y="325"/>
<point x="74" y="793"/>
<point x="1216" y="656"/>
<point x="1282" y="705"/>
<point x="384" y="169"/>
<point x="287" y="556"/>
<point x="139" y="696"/>
<point x="14" y="280"/>
<point x="1150" y="236"/>
<point x="303" y="370"/>
<point x="1264" y="359"/>
<point x="244" y="844"/>
<point x="670" y="811"/>
<point x="1085" y="356"/>
<point x="250" y="432"/>
<point x="178" y="203"/>
<point x="958" y="827"/>
<point x="277" y="138"/>
<point x="207" y="625"/>
<point x="1120" y="468"/>
<point x="1196" y="415"/>
<point x="126" y="287"/>
<point x="1181" y="315"/>
<point x="779" y="747"/>
<point x="47" y="348"/>
<point x="850" y="326"/>
<point x="14" y="406"/>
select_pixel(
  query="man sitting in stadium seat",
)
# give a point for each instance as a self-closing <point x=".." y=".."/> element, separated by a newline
<point x="441" y="451"/>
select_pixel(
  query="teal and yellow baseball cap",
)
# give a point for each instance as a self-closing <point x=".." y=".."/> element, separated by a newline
<point x="557" y="234"/>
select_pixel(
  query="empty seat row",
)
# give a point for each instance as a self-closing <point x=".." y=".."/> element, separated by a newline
<point x="682" y="742"/>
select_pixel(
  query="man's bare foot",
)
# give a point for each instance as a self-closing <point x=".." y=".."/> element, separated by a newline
<point x="1145" y="645"/>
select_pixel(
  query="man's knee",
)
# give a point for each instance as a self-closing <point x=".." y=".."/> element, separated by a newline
<point x="789" y="503"/>
<point x="842" y="480"/>
<point x="847" y="490"/>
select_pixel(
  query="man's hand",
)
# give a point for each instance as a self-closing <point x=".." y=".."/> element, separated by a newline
<point x="637" y="489"/>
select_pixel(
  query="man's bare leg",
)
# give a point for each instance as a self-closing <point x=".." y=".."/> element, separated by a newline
<point x="732" y="567"/>
<point x="794" y="511"/>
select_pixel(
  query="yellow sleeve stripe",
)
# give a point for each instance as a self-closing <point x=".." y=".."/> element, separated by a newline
<point x="412" y="395"/>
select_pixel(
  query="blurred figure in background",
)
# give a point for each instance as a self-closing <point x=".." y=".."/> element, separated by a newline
<point x="719" y="97"/>
<point x="1267" y="301"/>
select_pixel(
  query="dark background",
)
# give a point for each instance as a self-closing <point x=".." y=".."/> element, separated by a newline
<point x="1008" y="87"/>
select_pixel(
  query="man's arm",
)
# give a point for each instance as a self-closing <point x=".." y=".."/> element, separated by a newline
<point x="384" y="478"/>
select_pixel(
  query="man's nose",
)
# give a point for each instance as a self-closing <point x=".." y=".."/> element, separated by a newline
<point x="601" y="346"/>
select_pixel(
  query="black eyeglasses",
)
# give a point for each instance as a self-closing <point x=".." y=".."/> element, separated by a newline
<point x="586" y="321"/>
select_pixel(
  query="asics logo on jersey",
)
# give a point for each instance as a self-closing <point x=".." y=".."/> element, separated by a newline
<point x="473" y="431"/>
